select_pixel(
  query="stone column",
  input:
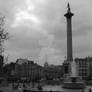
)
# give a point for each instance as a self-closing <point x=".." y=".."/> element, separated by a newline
<point x="68" y="16"/>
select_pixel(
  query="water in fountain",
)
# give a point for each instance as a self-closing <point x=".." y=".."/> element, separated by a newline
<point x="74" y="81"/>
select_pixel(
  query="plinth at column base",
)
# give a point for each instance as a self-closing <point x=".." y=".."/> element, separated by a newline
<point x="74" y="83"/>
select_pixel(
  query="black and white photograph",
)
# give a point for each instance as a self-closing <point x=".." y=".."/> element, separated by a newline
<point x="45" y="45"/>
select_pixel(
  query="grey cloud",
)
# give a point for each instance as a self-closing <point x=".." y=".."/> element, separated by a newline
<point x="50" y="35"/>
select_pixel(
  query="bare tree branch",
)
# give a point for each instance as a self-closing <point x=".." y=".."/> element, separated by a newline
<point x="4" y="35"/>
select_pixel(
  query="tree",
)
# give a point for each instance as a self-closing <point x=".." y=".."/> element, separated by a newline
<point x="4" y="35"/>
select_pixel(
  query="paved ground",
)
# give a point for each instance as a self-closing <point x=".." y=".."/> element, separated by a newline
<point x="6" y="89"/>
<point x="9" y="89"/>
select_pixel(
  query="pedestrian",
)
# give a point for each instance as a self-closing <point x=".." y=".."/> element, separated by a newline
<point x="89" y="89"/>
<point x="82" y="90"/>
<point x="0" y="89"/>
<point x="20" y="89"/>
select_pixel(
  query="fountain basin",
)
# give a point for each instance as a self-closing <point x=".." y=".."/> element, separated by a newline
<point x="74" y="83"/>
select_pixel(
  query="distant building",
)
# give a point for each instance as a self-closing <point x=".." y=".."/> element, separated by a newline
<point x="1" y="65"/>
<point x="9" y="69"/>
<point x="66" y="69"/>
<point x="84" y="66"/>
<point x="52" y="71"/>
<point x="89" y="59"/>
<point x="46" y="64"/>
<point x="28" y="69"/>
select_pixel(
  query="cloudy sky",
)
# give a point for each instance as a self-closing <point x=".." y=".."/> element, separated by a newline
<point x="38" y="29"/>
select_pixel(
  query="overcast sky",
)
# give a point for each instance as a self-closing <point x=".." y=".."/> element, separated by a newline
<point x="38" y="29"/>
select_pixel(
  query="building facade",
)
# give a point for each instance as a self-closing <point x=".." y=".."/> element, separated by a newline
<point x="66" y="69"/>
<point x="28" y="69"/>
<point x="1" y="65"/>
<point x="52" y="72"/>
<point x="84" y="67"/>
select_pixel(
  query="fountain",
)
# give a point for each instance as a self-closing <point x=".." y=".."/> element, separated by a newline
<point x="73" y="81"/>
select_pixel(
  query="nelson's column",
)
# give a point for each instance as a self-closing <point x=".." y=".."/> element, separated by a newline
<point x="73" y="81"/>
<point x="68" y="16"/>
<point x="69" y="59"/>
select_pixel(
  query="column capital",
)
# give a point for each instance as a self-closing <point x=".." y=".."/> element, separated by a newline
<point x="69" y="14"/>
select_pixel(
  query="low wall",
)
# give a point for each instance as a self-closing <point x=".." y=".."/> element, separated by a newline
<point x="40" y="91"/>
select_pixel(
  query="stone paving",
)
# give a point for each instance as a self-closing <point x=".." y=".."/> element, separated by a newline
<point x="9" y="89"/>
